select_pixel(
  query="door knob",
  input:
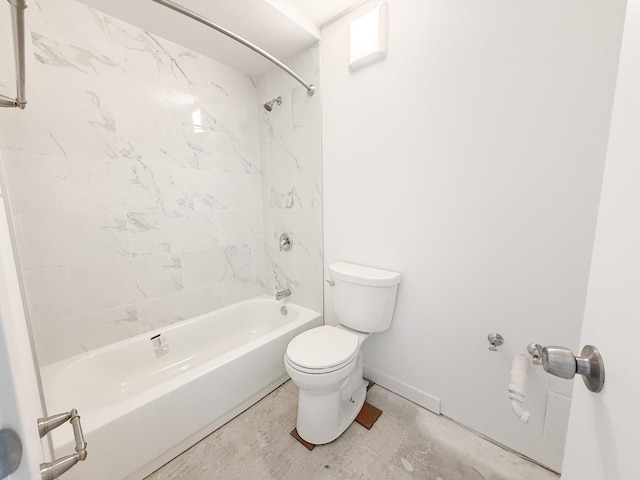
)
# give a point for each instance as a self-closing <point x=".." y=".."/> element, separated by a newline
<point x="10" y="452"/>
<point x="561" y="362"/>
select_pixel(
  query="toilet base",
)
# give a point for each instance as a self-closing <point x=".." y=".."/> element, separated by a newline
<point x="323" y="418"/>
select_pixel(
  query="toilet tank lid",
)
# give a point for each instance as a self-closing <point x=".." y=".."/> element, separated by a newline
<point x="362" y="275"/>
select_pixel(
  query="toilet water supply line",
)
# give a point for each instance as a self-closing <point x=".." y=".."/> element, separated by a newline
<point x="517" y="383"/>
<point x="518" y="379"/>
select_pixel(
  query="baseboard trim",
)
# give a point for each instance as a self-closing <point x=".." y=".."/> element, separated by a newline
<point x="403" y="389"/>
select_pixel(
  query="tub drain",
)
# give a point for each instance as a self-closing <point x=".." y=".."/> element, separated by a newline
<point x="283" y="310"/>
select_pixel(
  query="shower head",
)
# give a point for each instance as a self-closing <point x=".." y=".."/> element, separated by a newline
<point x="269" y="105"/>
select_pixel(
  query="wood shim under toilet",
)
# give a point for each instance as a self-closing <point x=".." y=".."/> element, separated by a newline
<point x="367" y="417"/>
<point x="294" y="434"/>
<point x="368" y="414"/>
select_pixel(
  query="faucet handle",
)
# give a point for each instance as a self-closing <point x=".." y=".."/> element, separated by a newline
<point x="286" y="242"/>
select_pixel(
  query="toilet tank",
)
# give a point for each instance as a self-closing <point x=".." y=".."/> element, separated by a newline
<point x="363" y="298"/>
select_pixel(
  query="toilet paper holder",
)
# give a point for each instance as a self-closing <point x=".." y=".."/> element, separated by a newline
<point x="561" y="362"/>
<point x="495" y="340"/>
<point x="535" y="350"/>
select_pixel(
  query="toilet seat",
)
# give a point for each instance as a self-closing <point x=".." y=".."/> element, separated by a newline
<point x="322" y="350"/>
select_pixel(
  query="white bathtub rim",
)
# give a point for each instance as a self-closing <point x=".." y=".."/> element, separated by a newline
<point x="68" y="362"/>
<point x="100" y="417"/>
<point x="204" y="368"/>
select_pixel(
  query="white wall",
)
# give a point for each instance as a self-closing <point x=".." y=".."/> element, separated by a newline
<point x="605" y="427"/>
<point x="470" y="159"/>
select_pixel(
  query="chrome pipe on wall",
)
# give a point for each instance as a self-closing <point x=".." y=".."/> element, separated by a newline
<point x="17" y="17"/>
<point x="311" y="88"/>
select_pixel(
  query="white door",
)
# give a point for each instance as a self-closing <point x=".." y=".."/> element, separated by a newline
<point x="20" y="405"/>
<point x="603" y="442"/>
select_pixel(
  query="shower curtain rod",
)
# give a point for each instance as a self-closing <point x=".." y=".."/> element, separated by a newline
<point x="311" y="88"/>
<point x="17" y="16"/>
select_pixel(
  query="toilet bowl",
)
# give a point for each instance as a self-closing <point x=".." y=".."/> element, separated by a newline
<point x="326" y="362"/>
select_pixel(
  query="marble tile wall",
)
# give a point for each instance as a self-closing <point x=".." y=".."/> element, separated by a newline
<point x="290" y="150"/>
<point x="135" y="182"/>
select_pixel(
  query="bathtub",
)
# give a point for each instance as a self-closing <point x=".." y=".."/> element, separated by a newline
<point x="146" y="399"/>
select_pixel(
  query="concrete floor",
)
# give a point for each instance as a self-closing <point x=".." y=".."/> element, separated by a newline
<point x="407" y="442"/>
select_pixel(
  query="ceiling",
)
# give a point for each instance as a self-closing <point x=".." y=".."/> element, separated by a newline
<point x="281" y="27"/>
<point x="319" y="12"/>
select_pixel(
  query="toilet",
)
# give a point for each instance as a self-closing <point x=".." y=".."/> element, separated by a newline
<point x="326" y="362"/>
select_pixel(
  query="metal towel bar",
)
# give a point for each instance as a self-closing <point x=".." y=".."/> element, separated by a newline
<point x="52" y="470"/>
<point x="17" y="16"/>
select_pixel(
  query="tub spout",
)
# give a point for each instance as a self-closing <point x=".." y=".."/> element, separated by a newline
<point x="283" y="293"/>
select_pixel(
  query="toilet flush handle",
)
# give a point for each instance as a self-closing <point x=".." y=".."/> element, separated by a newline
<point x="331" y="283"/>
